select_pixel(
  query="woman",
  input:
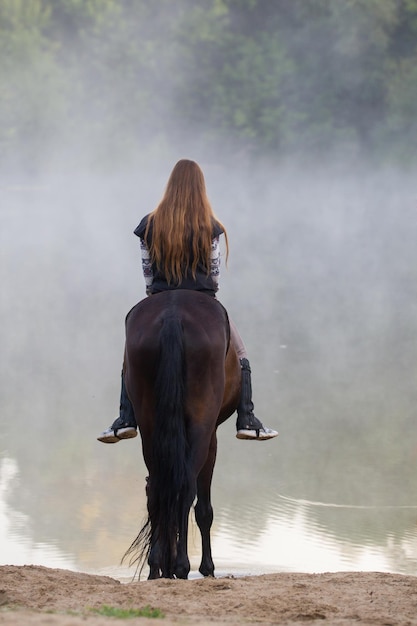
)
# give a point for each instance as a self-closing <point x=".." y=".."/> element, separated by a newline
<point x="179" y="244"/>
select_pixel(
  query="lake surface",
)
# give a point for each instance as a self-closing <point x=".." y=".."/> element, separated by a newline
<point x="324" y="294"/>
<point x="273" y="533"/>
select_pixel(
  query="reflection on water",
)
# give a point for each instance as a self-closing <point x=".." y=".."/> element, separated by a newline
<point x="294" y="540"/>
<point x="328" y="311"/>
<point x="17" y="546"/>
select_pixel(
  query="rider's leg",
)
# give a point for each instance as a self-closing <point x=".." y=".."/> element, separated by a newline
<point x="124" y="427"/>
<point x="248" y="426"/>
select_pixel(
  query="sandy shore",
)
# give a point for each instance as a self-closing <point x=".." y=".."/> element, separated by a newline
<point x="32" y="595"/>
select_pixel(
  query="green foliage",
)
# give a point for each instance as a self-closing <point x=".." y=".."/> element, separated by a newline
<point x="277" y="77"/>
<point x="111" y="611"/>
<point x="28" y="77"/>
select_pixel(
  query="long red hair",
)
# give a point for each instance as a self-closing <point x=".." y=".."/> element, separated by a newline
<point x="182" y="224"/>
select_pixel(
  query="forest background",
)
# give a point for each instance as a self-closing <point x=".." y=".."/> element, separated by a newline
<point x="97" y="82"/>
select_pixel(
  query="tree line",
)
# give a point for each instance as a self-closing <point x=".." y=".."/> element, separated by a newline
<point x="270" y="77"/>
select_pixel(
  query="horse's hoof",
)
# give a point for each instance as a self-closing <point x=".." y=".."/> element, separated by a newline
<point x="207" y="573"/>
<point x="182" y="573"/>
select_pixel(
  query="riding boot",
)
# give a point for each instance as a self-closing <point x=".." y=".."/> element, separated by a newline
<point x="248" y="426"/>
<point x="124" y="427"/>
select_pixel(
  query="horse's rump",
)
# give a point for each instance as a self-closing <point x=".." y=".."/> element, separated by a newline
<point x="155" y="325"/>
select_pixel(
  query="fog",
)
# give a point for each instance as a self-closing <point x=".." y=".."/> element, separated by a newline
<point x="321" y="282"/>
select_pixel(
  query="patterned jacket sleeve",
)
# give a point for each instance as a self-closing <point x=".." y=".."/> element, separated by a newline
<point x="215" y="261"/>
<point x="146" y="266"/>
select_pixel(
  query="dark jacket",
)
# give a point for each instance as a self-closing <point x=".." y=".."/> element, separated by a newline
<point x="201" y="282"/>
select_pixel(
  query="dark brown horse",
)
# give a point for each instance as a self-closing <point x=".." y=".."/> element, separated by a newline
<point x="183" y="378"/>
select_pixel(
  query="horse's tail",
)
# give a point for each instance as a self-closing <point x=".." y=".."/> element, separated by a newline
<point x="171" y="489"/>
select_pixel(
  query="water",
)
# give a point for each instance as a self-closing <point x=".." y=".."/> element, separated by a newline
<point x="279" y="534"/>
<point x="326" y="305"/>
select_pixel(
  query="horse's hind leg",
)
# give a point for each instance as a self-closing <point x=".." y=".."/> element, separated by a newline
<point x="154" y="562"/>
<point x="154" y="558"/>
<point x="182" y="562"/>
<point x="204" y="509"/>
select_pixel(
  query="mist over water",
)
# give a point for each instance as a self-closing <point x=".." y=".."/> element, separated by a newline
<point x="321" y="283"/>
